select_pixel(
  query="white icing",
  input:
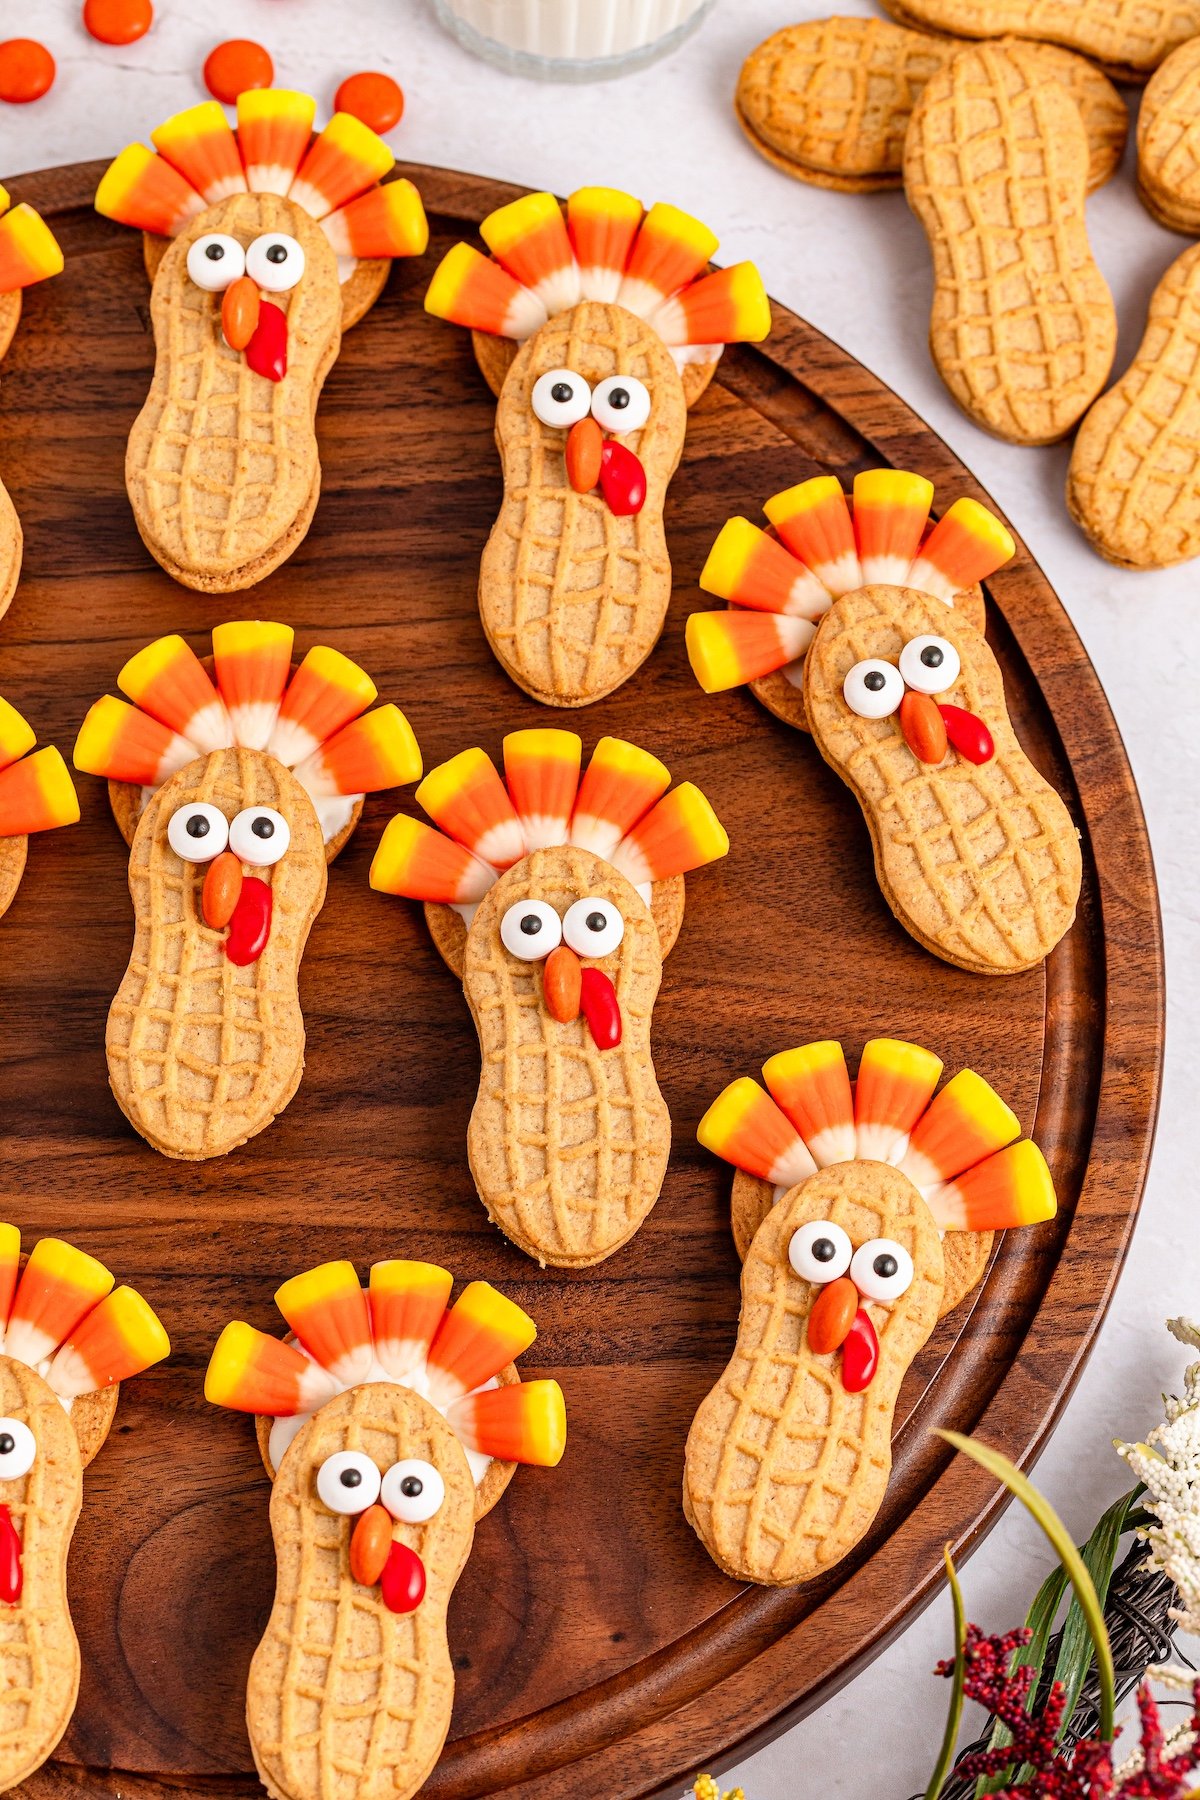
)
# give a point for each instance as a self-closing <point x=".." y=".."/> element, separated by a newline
<point x="695" y="353"/>
<point x="466" y="910"/>
<point x="646" y="890"/>
<point x="335" y="812"/>
<point x="284" y="1430"/>
<point x="794" y="672"/>
<point x="346" y="267"/>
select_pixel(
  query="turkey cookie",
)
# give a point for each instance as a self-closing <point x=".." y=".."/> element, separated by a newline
<point x="397" y="1424"/>
<point x="829" y="101"/>
<point x="1128" y="37"/>
<point x="1023" y="327"/>
<point x="616" y="322"/>
<point x="779" y="586"/>
<point x="1133" y="484"/>
<point x="277" y="245"/>
<point x="70" y="1338"/>
<point x="29" y="252"/>
<point x="788" y="1458"/>
<point x="1168" y="141"/>
<point x="570" y="892"/>
<point x="36" y="794"/>
<point x="234" y="793"/>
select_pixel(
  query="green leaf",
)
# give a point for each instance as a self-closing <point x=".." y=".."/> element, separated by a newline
<point x="958" y="1682"/>
<point x="1099" y="1555"/>
<point x="1077" y="1573"/>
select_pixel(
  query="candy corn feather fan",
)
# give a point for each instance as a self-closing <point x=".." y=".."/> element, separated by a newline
<point x="336" y="177"/>
<point x="779" y="586"/>
<point x="960" y="1147"/>
<point x="401" y="1328"/>
<point x="314" y="721"/>
<point x="36" y="794"/>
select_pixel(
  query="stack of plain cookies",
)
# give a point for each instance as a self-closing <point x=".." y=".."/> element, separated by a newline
<point x="998" y="118"/>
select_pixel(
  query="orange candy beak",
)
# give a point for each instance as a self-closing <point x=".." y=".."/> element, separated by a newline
<point x="562" y="984"/>
<point x="585" y="445"/>
<point x="923" y="726"/>
<point x="832" y="1316"/>
<point x="240" y="310"/>
<point x="370" y="1545"/>
<point x="221" y="891"/>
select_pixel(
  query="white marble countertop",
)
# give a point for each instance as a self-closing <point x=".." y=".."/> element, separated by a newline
<point x="858" y="269"/>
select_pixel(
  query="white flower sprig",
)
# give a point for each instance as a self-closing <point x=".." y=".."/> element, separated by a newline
<point x="1168" y="1465"/>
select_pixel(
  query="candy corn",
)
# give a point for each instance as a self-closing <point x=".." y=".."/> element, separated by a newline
<point x="254" y="1373"/>
<point x="466" y="798"/>
<point x="730" y="306"/>
<point x="602" y="224"/>
<point x="812" y="1086"/>
<point x="964" y="547"/>
<point x="29" y="250"/>
<point x="273" y="129"/>
<point x="201" y="146"/>
<point x="119" y="1338"/>
<point x="964" y="1123"/>
<point x="325" y="693"/>
<point x="10" y="1268"/>
<point x="377" y="751"/>
<point x="121" y="743"/>
<point x="682" y="832"/>
<point x="168" y="681"/>
<point x="469" y="289"/>
<point x="541" y="768"/>
<point x="746" y="1128"/>
<point x="37" y="794"/>
<point x="890" y="510"/>
<point x="143" y="190"/>
<point x="385" y="221"/>
<point x="343" y="161"/>
<point x="528" y="237"/>
<point x="670" y="250"/>
<point x="523" y="1422"/>
<point x="423" y="864"/>
<point x="16" y="736"/>
<point x="1014" y="1187"/>
<point x="481" y="1334"/>
<point x="252" y="661"/>
<point x="813" y="520"/>
<point x="327" y="1310"/>
<point x="407" y="1301"/>
<point x="727" y="649"/>
<point x="754" y="570"/>
<point x="619" y="786"/>
<point x="58" y="1286"/>
<point x="895" y="1084"/>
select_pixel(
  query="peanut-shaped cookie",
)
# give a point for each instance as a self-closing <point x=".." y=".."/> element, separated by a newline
<point x="1128" y="37"/>
<point x="397" y="1424"/>
<point x="1168" y="141"/>
<point x="29" y="253"/>
<point x="788" y="1458"/>
<point x="36" y="794"/>
<point x="277" y="244"/>
<point x="620" y="329"/>
<point x="570" y="895"/>
<point x="227" y="867"/>
<point x="69" y="1339"/>
<point x="1023" y="327"/>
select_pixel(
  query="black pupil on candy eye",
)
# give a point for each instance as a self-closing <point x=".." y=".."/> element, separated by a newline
<point x="8" y="1443"/>
<point x="531" y="924"/>
<point x="874" y="681"/>
<point x="277" y="253"/>
<point x="596" y="921"/>
<point x="824" y="1250"/>
<point x="351" y="1478"/>
<point x="885" y="1266"/>
<point x="618" y="399"/>
<point x="932" y="657"/>
<point x="562" y="391"/>
<point x="198" y="826"/>
<point x="214" y="252"/>
<point x="263" y="828"/>
<point x="411" y="1486"/>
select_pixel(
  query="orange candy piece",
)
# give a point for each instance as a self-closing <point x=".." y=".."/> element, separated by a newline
<point x="562" y="984"/>
<point x="234" y="66"/>
<point x="27" y="70"/>
<point x="117" y="21"/>
<point x="374" y="98"/>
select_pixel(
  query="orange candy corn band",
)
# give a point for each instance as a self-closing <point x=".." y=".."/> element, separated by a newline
<point x="29" y="251"/>
<point x="252" y="1372"/>
<point x="37" y="794"/>
<point x="525" y="1424"/>
<point x="327" y="1310"/>
<point x="956" y="1147"/>
<point x="63" y="1305"/>
<point x="607" y="250"/>
<point x="407" y="1301"/>
<point x="480" y="1335"/>
<point x="120" y="1337"/>
<point x="200" y="146"/>
<point x="825" y="549"/>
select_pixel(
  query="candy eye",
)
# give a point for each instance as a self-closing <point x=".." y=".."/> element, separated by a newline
<point x="531" y="930"/>
<point x="881" y="1270"/>
<point x="198" y="832"/>
<point x="215" y="261"/>
<point x="930" y="664"/>
<point x="18" y="1447"/>
<point x="593" y="927"/>
<point x="275" y="261"/>
<point x="621" y="403"/>
<point x="561" y="398"/>
<point x="820" y="1251"/>
<point x="259" y="836"/>
<point x="873" y="689"/>
<point x="412" y="1491"/>
<point x="348" y="1482"/>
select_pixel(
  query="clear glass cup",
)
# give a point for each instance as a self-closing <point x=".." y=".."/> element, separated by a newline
<point x="571" y="40"/>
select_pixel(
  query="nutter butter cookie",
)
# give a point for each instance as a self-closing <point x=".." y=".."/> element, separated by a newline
<point x="36" y="794"/>
<point x="1129" y="38"/>
<point x="29" y="253"/>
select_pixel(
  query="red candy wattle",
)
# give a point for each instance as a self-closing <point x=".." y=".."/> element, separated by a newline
<point x="403" y="1581"/>
<point x="860" y="1354"/>
<point x="267" y="350"/>
<point x="599" y="1005"/>
<point x="622" y="480"/>
<point x="250" y="926"/>
<point x="11" y="1579"/>
<point x="967" y="734"/>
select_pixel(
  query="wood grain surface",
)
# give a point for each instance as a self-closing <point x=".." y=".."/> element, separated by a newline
<point x="598" y="1651"/>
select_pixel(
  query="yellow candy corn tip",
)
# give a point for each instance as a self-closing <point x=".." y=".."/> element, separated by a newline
<point x="16" y="735"/>
<point x="729" y="1110"/>
<point x="664" y="220"/>
<point x="58" y="790"/>
<point x="513" y="223"/>
<point x="726" y="562"/>
<point x="139" y="1325"/>
<point x="350" y="135"/>
<point x="339" y="671"/>
<point x="751" y="305"/>
<point x="489" y="1309"/>
<point x="10" y="1242"/>
<point x="984" y="525"/>
<point x="1036" y="1198"/>
<point x="806" y="1059"/>
<point x="37" y="242"/>
<point x="60" y="1261"/>
<point x="449" y="279"/>
<point x="5" y="199"/>
<point x="274" y="103"/>
<point x="408" y="211"/>
<point x="892" y="487"/>
<point x="119" y="179"/>
<point x="983" y="1105"/>
<point x="232" y="1353"/>
<point x="806" y="496"/>
<point x="146" y="665"/>
<point x="449" y="779"/>
<point x="394" y="854"/>
<point x="605" y="202"/>
<point x="707" y="832"/>
<point x="543" y="742"/>
<point x="202" y="120"/>
<point x="714" y="661"/>
<point x="316" y="1286"/>
<point x="398" y="1276"/>
<point x="242" y="635"/>
<point x="907" y="1060"/>
<point x="624" y="758"/>
<point x="550" y="1426"/>
<point x="390" y="728"/>
<point x="97" y="735"/>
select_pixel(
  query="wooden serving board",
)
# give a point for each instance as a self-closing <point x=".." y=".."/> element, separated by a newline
<point x="598" y="1650"/>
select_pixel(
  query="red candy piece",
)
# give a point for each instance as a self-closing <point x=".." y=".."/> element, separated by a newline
<point x="968" y="735"/>
<point x="860" y="1354"/>
<point x="118" y="21"/>
<point x="374" y="98"/>
<point x="11" y="1579"/>
<point x="267" y="350"/>
<point x="234" y="66"/>
<point x="403" y="1582"/>
<point x="26" y="70"/>
<point x="598" y="1003"/>
<point x="250" y="926"/>
<point x="622" y="480"/>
